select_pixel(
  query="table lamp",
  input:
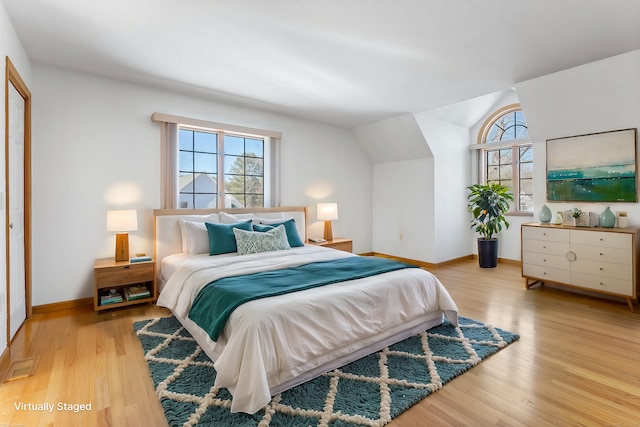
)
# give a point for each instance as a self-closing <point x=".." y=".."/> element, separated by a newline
<point x="121" y="222"/>
<point x="327" y="212"/>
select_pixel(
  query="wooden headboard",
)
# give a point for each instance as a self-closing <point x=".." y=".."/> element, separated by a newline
<point x="166" y="229"/>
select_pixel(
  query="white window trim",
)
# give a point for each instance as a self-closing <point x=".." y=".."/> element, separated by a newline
<point x="501" y="144"/>
<point x="481" y="147"/>
<point x="170" y="154"/>
<point x="206" y="124"/>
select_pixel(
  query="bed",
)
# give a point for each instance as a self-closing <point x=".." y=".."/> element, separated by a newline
<point x="273" y="343"/>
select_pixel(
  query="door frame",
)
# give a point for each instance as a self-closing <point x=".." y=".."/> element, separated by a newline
<point x="13" y="78"/>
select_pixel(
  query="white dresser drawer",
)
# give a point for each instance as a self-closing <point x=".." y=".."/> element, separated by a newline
<point x="601" y="239"/>
<point x="546" y="273"/>
<point x="603" y="254"/>
<point x="546" y="234"/>
<point x="602" y="269"/>
<point x="546" y="260"/>
<point x="603" y="284"/>
<point x="595" y="259"/>
<point x="546" y="247"/>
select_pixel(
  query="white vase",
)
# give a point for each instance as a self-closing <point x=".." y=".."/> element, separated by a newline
<point x="623" y="220"/>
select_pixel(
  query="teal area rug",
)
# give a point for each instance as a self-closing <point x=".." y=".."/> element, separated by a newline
<point x="370" y="391"/>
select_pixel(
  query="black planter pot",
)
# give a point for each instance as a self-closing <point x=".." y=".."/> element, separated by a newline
<point x="487" y="253"/>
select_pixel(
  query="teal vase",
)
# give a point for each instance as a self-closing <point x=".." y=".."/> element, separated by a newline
<point x="607" y="218"/>
<point x="545" y="214"/>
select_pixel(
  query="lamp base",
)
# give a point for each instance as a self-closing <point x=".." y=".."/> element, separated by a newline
<point x="122" y="247"/>
<point x="328" y="233"/>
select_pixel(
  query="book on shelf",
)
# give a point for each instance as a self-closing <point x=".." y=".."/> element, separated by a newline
<point x="136" y="292"/>
<point x="140" y="259"/>
<point x="110" y="298"/>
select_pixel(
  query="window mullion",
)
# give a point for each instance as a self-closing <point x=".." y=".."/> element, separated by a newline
<point x="221" y="193"/>
<point x="515" y="173"/>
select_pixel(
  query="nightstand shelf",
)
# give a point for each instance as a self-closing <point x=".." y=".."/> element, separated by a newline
<point x="339" y="243"/>
<point x="109" y="274"/>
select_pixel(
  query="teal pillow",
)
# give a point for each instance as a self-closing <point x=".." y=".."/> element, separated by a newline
<point x="251" y="242"/>
<point x="290" y="227"/>
<point x="221" y="237"/>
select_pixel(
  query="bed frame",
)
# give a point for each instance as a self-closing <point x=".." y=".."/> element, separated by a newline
<point x="168" y="241"/>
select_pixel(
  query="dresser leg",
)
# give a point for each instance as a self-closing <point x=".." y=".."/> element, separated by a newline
<point x="535" y="282"/>
<point x="630" y="301"/>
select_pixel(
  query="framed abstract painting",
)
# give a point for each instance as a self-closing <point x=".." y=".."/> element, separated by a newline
<point x="598" y="167"/>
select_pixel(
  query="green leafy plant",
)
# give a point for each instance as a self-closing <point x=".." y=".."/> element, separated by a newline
<point x="488" y="203"/>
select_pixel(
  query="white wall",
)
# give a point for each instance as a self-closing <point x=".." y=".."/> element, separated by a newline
<point x="596" y="97"/>
<point x="403" y="209"/>
<point x="450" y="146"/>
<point x="9" y="46"/>
<point x="95" y="148"/>
<point x="419" y="204"/>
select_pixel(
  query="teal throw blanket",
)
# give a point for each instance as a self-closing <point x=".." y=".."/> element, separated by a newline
<point x="216" y="301"/>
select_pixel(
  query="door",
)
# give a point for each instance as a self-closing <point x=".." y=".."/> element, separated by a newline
<point x="15" y="207"/>
<point x="17" y="161"/>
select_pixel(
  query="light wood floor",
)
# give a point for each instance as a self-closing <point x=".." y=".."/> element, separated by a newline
<point x="577" y="362"/>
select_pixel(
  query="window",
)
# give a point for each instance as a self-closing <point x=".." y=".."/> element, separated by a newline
<point x="217" y="165"/>
<point x="213" y="165"/>
<point x="507" y="155"/>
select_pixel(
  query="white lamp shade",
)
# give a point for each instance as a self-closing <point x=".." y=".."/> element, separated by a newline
<point x="327" y="211"/>
<point x="122" y="220"/>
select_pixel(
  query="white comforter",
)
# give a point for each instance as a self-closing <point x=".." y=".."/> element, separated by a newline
<point x="271" y="341"/>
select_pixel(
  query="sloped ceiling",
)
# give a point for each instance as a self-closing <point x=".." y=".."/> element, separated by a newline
<point x="394" y="139"/>
<point x="348" y="63"/>
<point x="401" y="137"/>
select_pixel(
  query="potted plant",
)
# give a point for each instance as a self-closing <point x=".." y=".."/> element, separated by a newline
<point x="488" y="203"/>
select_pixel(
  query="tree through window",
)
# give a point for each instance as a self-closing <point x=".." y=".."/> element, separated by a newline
<point x="210" y="179"/>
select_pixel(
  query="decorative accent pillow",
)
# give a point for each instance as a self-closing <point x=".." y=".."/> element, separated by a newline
<point x="221" y="237"/>
<point x="289" y="225"/>
<point x="251" y="242"/>
<point x="195" y="239"/>
<point x="227" y="218"/>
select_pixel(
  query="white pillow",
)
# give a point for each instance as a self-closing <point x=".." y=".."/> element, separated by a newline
<point x="227" y="218"/>
<point x="195" y="238"/>
<point x="251" y="242"/>
<point x="268" y="221"/>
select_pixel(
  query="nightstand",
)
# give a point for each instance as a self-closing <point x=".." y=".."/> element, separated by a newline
<point x="123" y="277"/>
<point x="337" y="243"/>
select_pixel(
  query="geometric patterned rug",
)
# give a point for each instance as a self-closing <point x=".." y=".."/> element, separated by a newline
<point x="368" y="392"/>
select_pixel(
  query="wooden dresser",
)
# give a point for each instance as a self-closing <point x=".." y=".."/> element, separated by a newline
<point x="603" y="260"/>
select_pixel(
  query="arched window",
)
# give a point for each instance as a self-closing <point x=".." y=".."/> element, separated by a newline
<point x="507" y="155"/>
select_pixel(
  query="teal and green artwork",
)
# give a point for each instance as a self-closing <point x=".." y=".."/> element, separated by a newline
<point x="598" y="167"/>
